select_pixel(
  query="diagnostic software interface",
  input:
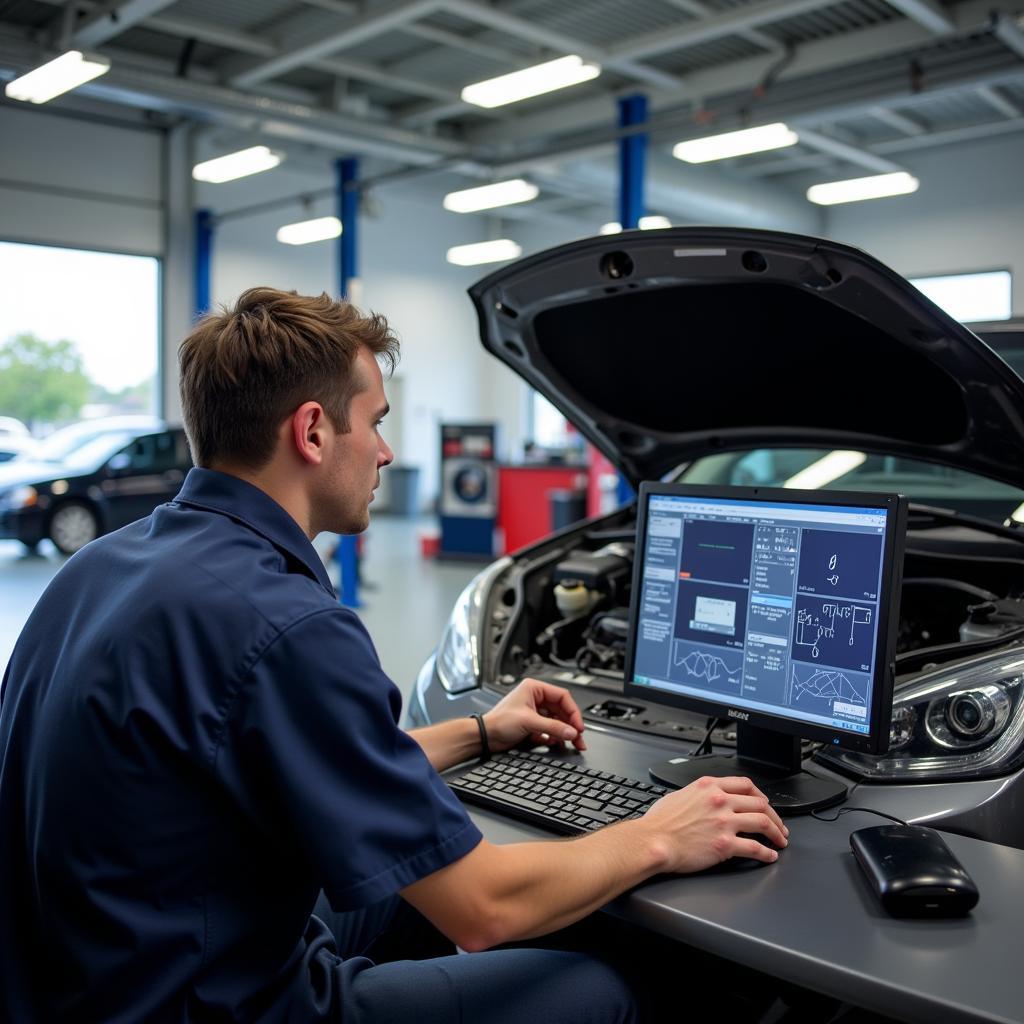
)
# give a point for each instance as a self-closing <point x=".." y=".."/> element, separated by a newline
<point x="763" y="605"/>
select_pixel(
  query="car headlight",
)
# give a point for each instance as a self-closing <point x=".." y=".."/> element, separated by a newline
<point x="458" y="656"/>
<point x="961" y="722"/>
<point x="22" y="497"/>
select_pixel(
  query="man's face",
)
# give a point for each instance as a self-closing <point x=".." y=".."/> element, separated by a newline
<point x="356" y="458"/>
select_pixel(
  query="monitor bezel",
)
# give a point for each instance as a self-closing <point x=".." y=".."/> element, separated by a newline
<point x="876" y="741"/>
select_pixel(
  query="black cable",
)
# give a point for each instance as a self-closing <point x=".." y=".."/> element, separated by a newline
<point x="849" y="810"/>
<point x="704" y="747"/>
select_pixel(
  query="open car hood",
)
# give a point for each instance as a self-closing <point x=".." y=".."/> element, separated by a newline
<point x="662" y="346"/>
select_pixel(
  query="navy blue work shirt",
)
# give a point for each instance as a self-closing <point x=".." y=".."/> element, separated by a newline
<point x="195" y="738"/>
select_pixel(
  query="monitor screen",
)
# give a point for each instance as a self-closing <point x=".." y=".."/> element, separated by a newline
<point x="773" y="607"/>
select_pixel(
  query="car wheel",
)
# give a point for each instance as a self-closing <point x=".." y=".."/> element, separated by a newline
<point x="72" y="526"/>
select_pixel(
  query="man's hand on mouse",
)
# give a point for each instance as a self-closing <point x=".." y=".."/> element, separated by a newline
<point x="699" y="824"/>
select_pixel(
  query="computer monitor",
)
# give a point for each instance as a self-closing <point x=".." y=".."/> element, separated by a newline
<point x="777" y="609"/>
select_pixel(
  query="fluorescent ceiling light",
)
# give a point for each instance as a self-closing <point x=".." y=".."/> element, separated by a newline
<point x="486" y="197"/>
<point x="828" y="468"/>
<point x="749" y="140"/>
<point x="483" y="252"/>
<point x="655" y="220"/>
<point x="236" y="165"/>
<point x="65" y="72"/>
<point x="318" y="229"/>
<point x="521" y="85"/>
<point x="853" y="190"/>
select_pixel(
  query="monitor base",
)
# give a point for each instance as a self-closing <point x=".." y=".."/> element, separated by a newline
<point x="789" y="792"/>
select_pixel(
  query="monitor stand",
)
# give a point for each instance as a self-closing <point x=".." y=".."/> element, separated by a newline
<point x="773" y="763"/>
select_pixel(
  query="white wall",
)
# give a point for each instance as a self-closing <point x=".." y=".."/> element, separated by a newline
<point x="80" y="184"/>
<point x="967" y="215"/>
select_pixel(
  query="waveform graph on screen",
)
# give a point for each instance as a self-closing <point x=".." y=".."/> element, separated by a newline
<point x="825" y="684"/>
<point x="706" y="668"/>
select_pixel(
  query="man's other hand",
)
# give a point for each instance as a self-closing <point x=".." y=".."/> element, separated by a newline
<point x="699" y="824"/>
<point x="537" y="711"/>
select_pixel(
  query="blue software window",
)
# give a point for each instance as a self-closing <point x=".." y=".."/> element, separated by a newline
<point x="769" y="607"/>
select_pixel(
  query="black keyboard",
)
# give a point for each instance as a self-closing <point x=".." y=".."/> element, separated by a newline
<point x="553" y="793"/>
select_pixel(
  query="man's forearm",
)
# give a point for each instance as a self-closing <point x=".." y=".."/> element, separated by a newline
<point x="541" y="887"/>
<point x="523" y="890"/>
<point x="449" y="743"/>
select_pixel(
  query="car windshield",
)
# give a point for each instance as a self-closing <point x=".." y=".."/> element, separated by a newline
<point x="926" y="483"/>
<point x="60" y="444"/>
<point x="97" y="450"/>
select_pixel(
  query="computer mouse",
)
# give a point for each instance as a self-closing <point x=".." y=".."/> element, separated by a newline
<point x="742" y="863"/>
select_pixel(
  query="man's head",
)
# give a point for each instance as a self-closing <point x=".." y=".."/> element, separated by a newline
<point x="287" y="376"/>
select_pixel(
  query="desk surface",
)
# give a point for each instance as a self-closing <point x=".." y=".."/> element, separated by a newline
<point x="811" y="919"/>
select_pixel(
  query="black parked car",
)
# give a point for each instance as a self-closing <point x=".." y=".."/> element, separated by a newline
<point x="730" y="356"/>
<point x="112" y="479"/>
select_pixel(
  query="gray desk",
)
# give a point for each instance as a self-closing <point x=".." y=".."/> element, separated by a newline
<point x="811" y="919"/>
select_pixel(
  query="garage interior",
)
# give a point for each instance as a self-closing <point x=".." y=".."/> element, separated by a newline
<point x="359" y="108"/>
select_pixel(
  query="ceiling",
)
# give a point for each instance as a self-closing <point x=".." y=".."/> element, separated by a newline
<point x="865" y="82"/>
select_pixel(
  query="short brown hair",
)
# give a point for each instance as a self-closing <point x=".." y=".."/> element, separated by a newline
<point x="245" y="370"/>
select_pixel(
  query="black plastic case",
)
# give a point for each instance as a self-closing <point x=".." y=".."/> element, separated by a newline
<point x="913" y="872"/>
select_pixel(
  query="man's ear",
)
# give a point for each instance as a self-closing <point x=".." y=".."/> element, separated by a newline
<point x="308" y="429"/>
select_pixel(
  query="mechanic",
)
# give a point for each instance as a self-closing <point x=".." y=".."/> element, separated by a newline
<point x="198" y="747"/>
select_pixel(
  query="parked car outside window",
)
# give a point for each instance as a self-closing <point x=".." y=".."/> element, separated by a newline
<point x="100" y="485"/>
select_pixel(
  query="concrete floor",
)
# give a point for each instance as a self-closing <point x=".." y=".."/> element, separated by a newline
<point x="406" y="600"/>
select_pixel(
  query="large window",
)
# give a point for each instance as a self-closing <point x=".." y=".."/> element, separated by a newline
<point x="78" y="334"/>
<point x="970" y="298"/>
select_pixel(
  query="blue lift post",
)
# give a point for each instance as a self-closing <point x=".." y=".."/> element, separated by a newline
<point x="203" y="261"/>
<point x="632" y="161"/>
<point x="347" y="196"/>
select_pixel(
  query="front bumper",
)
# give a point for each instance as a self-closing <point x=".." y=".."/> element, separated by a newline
<point x="26" y="525"/>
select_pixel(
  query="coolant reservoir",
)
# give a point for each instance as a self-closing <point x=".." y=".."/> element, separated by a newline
<point x="572" y="597"/>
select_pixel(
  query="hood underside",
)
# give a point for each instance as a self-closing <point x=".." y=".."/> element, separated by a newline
<point x="662" y="346"/>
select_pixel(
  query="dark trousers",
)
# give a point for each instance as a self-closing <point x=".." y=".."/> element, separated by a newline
<point x="393" y="966"/>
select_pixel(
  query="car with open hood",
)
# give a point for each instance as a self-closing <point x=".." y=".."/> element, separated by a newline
<point x="728" y="356"/>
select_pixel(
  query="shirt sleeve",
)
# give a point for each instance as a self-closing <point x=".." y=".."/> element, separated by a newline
<point x="314" y="746"/>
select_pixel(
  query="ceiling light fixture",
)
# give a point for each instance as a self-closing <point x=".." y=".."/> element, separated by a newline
<point x="654" y="221"/>
<point x="319" y="229"/>
<point x="487" y="197"/>
<point x="521" y="85"/>
<point x="60" y="75"/>
<point x="853" y="190"/>
<point x="483" y="252"/>
<point x="749" y="140"/>
<point x="236" y="165"/>
<point x="613" y="227"/>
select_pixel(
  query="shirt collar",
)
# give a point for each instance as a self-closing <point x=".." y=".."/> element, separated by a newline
<point x="247" y="504"/>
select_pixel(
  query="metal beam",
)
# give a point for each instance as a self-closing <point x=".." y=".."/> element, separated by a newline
<point x="851" y="154"/>
<point x="307" y="47"/>
<point x="460" y="42"/>
<point x="955" y="136"/>
<point x="344" y="7"/>
<point x="901" y="122"/>
<point x="927" y="13"/>
<point x="108" y="20"/>
<point x="995" y="99"/>
<point x="1008" y="32"/>
<point x="546" y="37"/>
<point x="719" y="26"/>
<point x="752" y="35"/>
<point x="825" y="55"/>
